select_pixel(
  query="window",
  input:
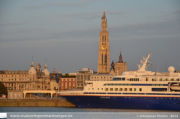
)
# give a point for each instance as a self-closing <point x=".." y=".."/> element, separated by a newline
<point x="102" y="58"/>
<point x="92" y="88"/>
<point x="62" y="79"/>
<point x="66" y="84"/>
<point x="140" y="89"/>
<point x="98" y="88"/>
<point x="130" y="89"/>
<point x="111" y="89"/>
<point x="101" y="88"/>
<point x="134" y="89"/>
<point x="69" y="83"/>
<point x="106" y="89"/>
<point x="116" y="89"/>
<point x="125" y="89"/>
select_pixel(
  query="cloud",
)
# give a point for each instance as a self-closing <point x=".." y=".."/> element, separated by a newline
<point x="13" y="23"/>
<point x="151" y="30"/>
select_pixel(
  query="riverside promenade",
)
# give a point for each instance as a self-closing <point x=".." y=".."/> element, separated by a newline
<point x="35" y="103"/>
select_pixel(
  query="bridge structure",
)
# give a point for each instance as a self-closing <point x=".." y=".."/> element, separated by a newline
<point x="39" y="91"/>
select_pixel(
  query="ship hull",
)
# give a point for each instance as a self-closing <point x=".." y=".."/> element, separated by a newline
<point x="153" y="103"/>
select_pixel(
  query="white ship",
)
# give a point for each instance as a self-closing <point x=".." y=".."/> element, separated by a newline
<point x="139" y="89"/>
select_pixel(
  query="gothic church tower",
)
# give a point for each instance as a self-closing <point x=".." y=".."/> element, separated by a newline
<point x="104" y="50"/>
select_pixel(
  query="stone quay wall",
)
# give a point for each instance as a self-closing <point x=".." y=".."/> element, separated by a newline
<point x="35" y="103"/>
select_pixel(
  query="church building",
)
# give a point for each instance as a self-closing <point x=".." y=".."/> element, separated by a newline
<point x="104" y="53"/>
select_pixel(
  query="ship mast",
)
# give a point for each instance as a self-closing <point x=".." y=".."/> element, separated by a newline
<point x="143" y="67"/>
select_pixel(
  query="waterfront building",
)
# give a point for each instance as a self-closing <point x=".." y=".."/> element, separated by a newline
<point x="67" y="82"/>
<point x="43" y="78"/>
<point x="82" y="76"/>
<point x="104" y="49"/>
<point x="33" y="79"/>
<point x="15" y="80"/>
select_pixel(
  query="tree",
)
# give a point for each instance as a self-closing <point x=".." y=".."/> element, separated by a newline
<point x="3" y="89"/>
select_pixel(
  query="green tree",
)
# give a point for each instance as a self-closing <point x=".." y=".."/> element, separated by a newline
<point x="3" y="89"/>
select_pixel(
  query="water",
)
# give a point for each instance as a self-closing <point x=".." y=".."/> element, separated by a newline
<point x="84" y="113"/>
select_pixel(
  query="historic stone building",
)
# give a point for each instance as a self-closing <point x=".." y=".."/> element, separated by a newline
<point x="118" y="67"/>
<point x="33" y="79"/>
<point x="104" y="50"/>
<point x="104" y="54"/>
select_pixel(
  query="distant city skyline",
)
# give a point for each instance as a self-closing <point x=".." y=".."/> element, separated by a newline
<point x="67" y="33"/>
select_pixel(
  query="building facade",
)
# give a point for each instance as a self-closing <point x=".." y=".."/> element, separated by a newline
<point x="67" y="82"/>
<point x="26" y="80"/>
<point x="101" y="77"/>
<point x="104" y="50"/>
<point x="82" y="76"/>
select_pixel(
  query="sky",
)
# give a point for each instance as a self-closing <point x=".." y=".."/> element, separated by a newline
<point x="66" y="33"/>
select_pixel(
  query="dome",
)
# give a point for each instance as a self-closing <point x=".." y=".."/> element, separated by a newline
<point x="46" y="72"/>
<point x="171" y="69"/>
<point x="32" y="70"/>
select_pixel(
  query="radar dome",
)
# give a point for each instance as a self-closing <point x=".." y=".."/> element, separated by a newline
<point x="171" y="69"/>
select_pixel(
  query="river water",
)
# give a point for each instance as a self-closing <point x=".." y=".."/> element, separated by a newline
<point x="84" y="113"/>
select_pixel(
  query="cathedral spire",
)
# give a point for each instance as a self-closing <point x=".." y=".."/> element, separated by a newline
<point x="104" y="50"/>
<point x="120" y="57"/>
<point x="104" y="15"/>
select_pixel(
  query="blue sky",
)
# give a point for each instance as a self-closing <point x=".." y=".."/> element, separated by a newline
<point x="66" y="33"/>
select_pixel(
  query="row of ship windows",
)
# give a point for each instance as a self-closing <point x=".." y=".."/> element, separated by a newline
<point x="147" y="79"/>
<point x="132" y="93"/>
<point x="116" y="89"/>
<point x="121" y="84"/>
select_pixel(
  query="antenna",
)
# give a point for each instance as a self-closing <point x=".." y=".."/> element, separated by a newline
<point x="32" y="58"/>
<point x="46" y="61"/>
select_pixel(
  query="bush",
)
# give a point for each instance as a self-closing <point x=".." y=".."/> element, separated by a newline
<point x="3" y="89"/>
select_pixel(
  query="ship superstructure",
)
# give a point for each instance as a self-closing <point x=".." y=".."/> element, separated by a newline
<point x="139" y="89"/>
